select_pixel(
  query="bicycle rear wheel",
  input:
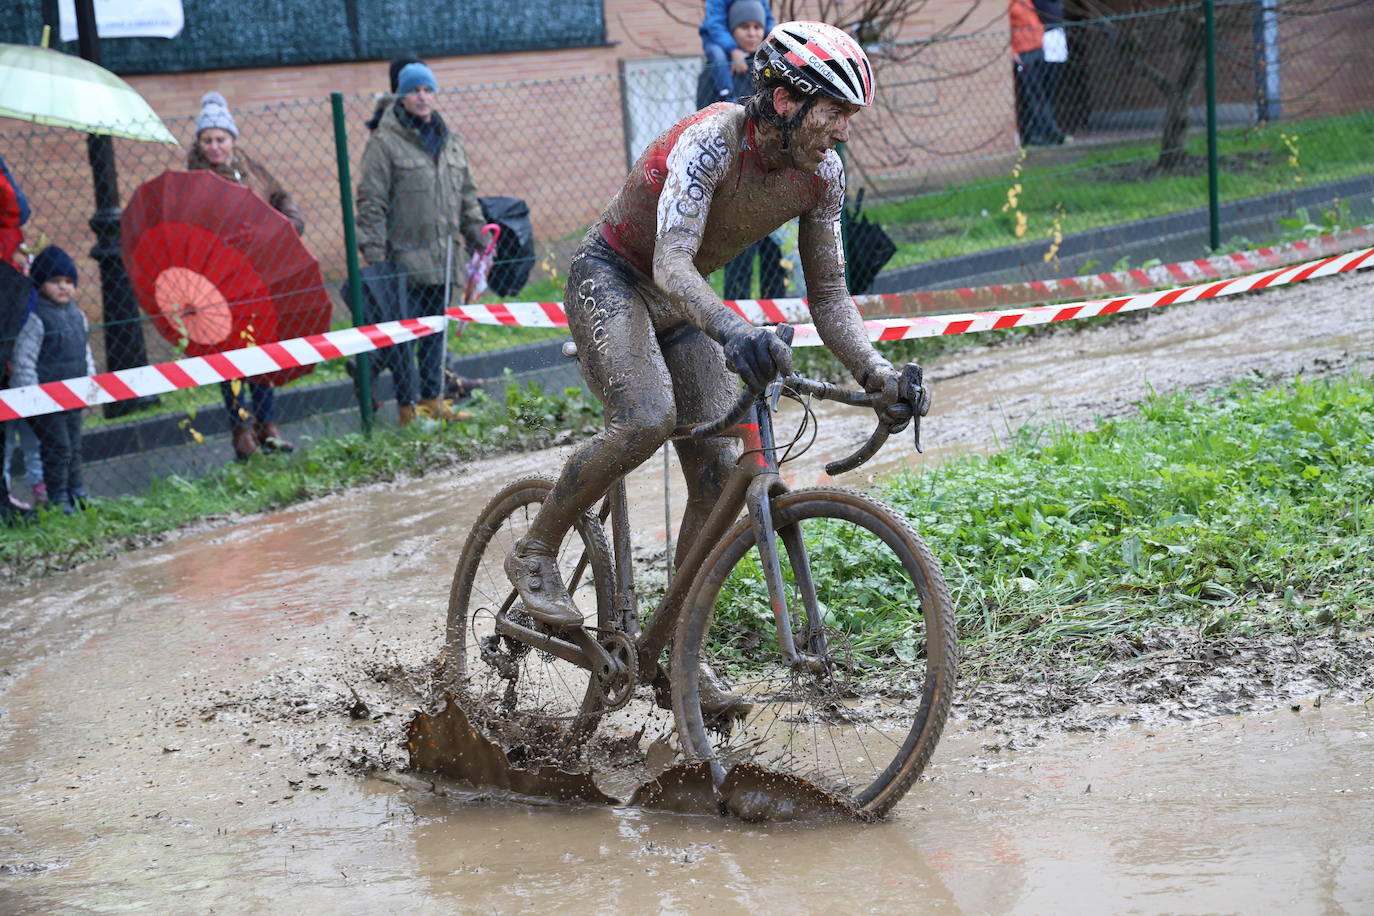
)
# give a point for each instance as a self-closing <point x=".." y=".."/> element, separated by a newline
<point x="537" y="706"/>
<point x="865" y="725"/>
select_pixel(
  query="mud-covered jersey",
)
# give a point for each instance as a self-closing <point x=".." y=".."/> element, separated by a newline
<point x="700" y="194"/>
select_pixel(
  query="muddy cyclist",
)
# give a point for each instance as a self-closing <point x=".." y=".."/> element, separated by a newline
<point x="653" y="338"/>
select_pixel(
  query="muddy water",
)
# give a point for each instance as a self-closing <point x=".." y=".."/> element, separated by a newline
<point x="175" y="727"/>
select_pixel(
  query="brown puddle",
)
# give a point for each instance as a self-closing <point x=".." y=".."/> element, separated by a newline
<point x="447" y="743"/>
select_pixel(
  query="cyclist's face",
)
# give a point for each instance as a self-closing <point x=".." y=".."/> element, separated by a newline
<point x="826" y="125"/>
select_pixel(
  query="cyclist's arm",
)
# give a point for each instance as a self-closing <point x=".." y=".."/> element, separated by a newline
<point x="822" y="256"/>
<point x="698" y="161"/>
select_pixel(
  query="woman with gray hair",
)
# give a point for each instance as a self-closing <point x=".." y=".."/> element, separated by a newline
<point x="252" y="405"/>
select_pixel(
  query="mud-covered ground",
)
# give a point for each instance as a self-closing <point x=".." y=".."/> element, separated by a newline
<point x="1075" y="377"/>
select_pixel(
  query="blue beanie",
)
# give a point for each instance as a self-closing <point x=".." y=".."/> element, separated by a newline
<point x="414" y="75"/>
<point x="52" y="262"/>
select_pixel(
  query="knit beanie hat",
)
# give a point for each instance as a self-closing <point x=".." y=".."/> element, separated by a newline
<point x="52" y="262"/>
<point x="413" y="76"/>
<point x="742" y="11"/>
<point x="399" y="63"/>
<point x="214" y="112"/>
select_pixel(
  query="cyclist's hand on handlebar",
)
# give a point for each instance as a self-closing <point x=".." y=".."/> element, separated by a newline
<point x="902" y="395"/>
<point x="758" y="355"/>
<point x="893" y="413"/>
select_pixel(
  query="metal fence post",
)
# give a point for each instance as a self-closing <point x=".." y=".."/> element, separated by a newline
<point x="363" y="373"/>
<point x="1213" y="191"/>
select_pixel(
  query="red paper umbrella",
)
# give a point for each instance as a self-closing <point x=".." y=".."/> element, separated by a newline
<point x="218" y="268"/>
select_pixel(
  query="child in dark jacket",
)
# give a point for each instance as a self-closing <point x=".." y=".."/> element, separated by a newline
<point x="51" y="347"/>
<point x="723" y="53"/>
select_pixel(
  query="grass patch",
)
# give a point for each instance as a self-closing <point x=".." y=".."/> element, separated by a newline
<point x="1108" y="186"/>
<point x="1249" y="512"/>
<point x="526" y="419"/>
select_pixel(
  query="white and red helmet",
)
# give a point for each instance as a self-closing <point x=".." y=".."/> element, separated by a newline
<point x="815" y="59"/>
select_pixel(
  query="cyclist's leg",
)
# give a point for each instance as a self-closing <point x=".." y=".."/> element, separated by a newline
<point x="608" y="315"/>
<point x="704" y="390"/>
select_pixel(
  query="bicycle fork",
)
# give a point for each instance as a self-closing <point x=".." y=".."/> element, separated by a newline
<point x="759" y="499"/>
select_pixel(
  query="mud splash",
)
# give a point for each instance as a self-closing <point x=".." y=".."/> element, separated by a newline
<point x="447" y="743"/>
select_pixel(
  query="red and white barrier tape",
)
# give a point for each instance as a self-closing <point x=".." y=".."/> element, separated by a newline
<point x="126" y="384"/>
<point x="192" y="372"/>
<point x="1110" y="285"/>
<point x="1064" y="289"/>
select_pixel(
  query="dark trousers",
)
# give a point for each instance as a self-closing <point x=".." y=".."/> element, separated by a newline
<point x="427" y="299"/>
<point x="386" y="300"/>
<point x="254" y="403"/>
<point x="59" y="441"/>
<point x="740" y="272"/>
<point x="1037" y="122"/>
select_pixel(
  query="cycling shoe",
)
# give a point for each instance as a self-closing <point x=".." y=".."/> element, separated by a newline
<point x="541" y="589"/>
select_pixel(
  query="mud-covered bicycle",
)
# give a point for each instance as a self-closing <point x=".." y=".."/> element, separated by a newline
<point x="851" y="692"/>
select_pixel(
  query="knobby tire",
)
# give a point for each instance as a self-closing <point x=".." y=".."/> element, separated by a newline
<point x="864" y="729"/>
<point x="550" y="706"/>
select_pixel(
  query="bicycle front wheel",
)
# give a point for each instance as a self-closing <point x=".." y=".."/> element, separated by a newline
<point x="864" y="723"/>
<point x="538" y="706"/>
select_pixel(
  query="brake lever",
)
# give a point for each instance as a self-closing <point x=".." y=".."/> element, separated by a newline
<point x="912" y="390"/>
<point x="785" y="333"/>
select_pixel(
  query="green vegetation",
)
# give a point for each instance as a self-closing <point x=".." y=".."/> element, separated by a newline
<point x="526" y="419"/>
<point x="1107" y="186"/>
<point x="1248" y="512"/>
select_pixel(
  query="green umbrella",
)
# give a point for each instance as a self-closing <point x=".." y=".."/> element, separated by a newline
<point x="49" y="87"/>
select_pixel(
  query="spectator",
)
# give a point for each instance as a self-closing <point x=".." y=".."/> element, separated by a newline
<point x="1055" y="44"/>
<point x="383" y="289"/>
<point x="252" y="405"/>
<point x="415" y="197"/>
<point x="724" y="55"/>
<point x="1036" y="123"/>
<point x="16" y="291"/>
<point x="14" y="213"/>
<point x="747" y="31"/>
<point x="51" y="347"/>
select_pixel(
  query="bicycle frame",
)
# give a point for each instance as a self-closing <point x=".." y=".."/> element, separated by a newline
<point x="753" y="481"/>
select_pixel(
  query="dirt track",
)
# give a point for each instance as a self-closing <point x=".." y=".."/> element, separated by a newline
<point x="176" y="725"/>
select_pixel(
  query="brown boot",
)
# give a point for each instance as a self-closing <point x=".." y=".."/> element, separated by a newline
<point x="271" y="439"/>
<point x="438" y="409"/>
<point x="245" y="442"/>
<point x="405" y="414"/>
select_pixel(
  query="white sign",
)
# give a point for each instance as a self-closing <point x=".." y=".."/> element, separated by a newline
<point x="126" y="18"/>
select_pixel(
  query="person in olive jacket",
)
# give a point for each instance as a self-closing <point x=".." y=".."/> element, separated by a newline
<point x="415" y="194"/>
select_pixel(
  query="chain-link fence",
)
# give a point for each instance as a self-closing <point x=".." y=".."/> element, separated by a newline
<point x="943" y="158"/>
<point x="954" y="169"/>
